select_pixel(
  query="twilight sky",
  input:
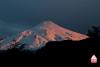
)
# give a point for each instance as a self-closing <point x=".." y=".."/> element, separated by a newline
<point x="78" y="15"/>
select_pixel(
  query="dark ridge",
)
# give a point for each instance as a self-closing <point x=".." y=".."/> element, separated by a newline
<point x="55" y="53"/>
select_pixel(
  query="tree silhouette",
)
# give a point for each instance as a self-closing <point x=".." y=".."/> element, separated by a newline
<point x="94" y="32"/>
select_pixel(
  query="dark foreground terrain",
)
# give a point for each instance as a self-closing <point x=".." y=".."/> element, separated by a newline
<point x="62" y="53"/>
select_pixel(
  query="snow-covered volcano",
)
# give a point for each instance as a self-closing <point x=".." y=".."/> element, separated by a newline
<point x="49" y="31"/>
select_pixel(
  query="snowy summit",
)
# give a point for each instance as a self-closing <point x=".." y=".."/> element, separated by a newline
<point x="48" y="31"/>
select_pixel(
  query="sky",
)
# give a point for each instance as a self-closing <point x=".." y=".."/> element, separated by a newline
<point x="77" y="15"/>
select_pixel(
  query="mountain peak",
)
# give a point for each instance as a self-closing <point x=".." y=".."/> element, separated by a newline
<point x="48" y="22"/>
<point x="49" y="31"/>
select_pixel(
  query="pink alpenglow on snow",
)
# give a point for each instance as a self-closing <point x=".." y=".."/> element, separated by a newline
<point x="39" y="35"/>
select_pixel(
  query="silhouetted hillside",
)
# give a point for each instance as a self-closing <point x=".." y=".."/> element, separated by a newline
<point x="72" y="52"/>
<point x="59" y="53"/>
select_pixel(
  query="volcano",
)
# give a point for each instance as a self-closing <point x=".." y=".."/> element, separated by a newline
<point x="48" y="31"/>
